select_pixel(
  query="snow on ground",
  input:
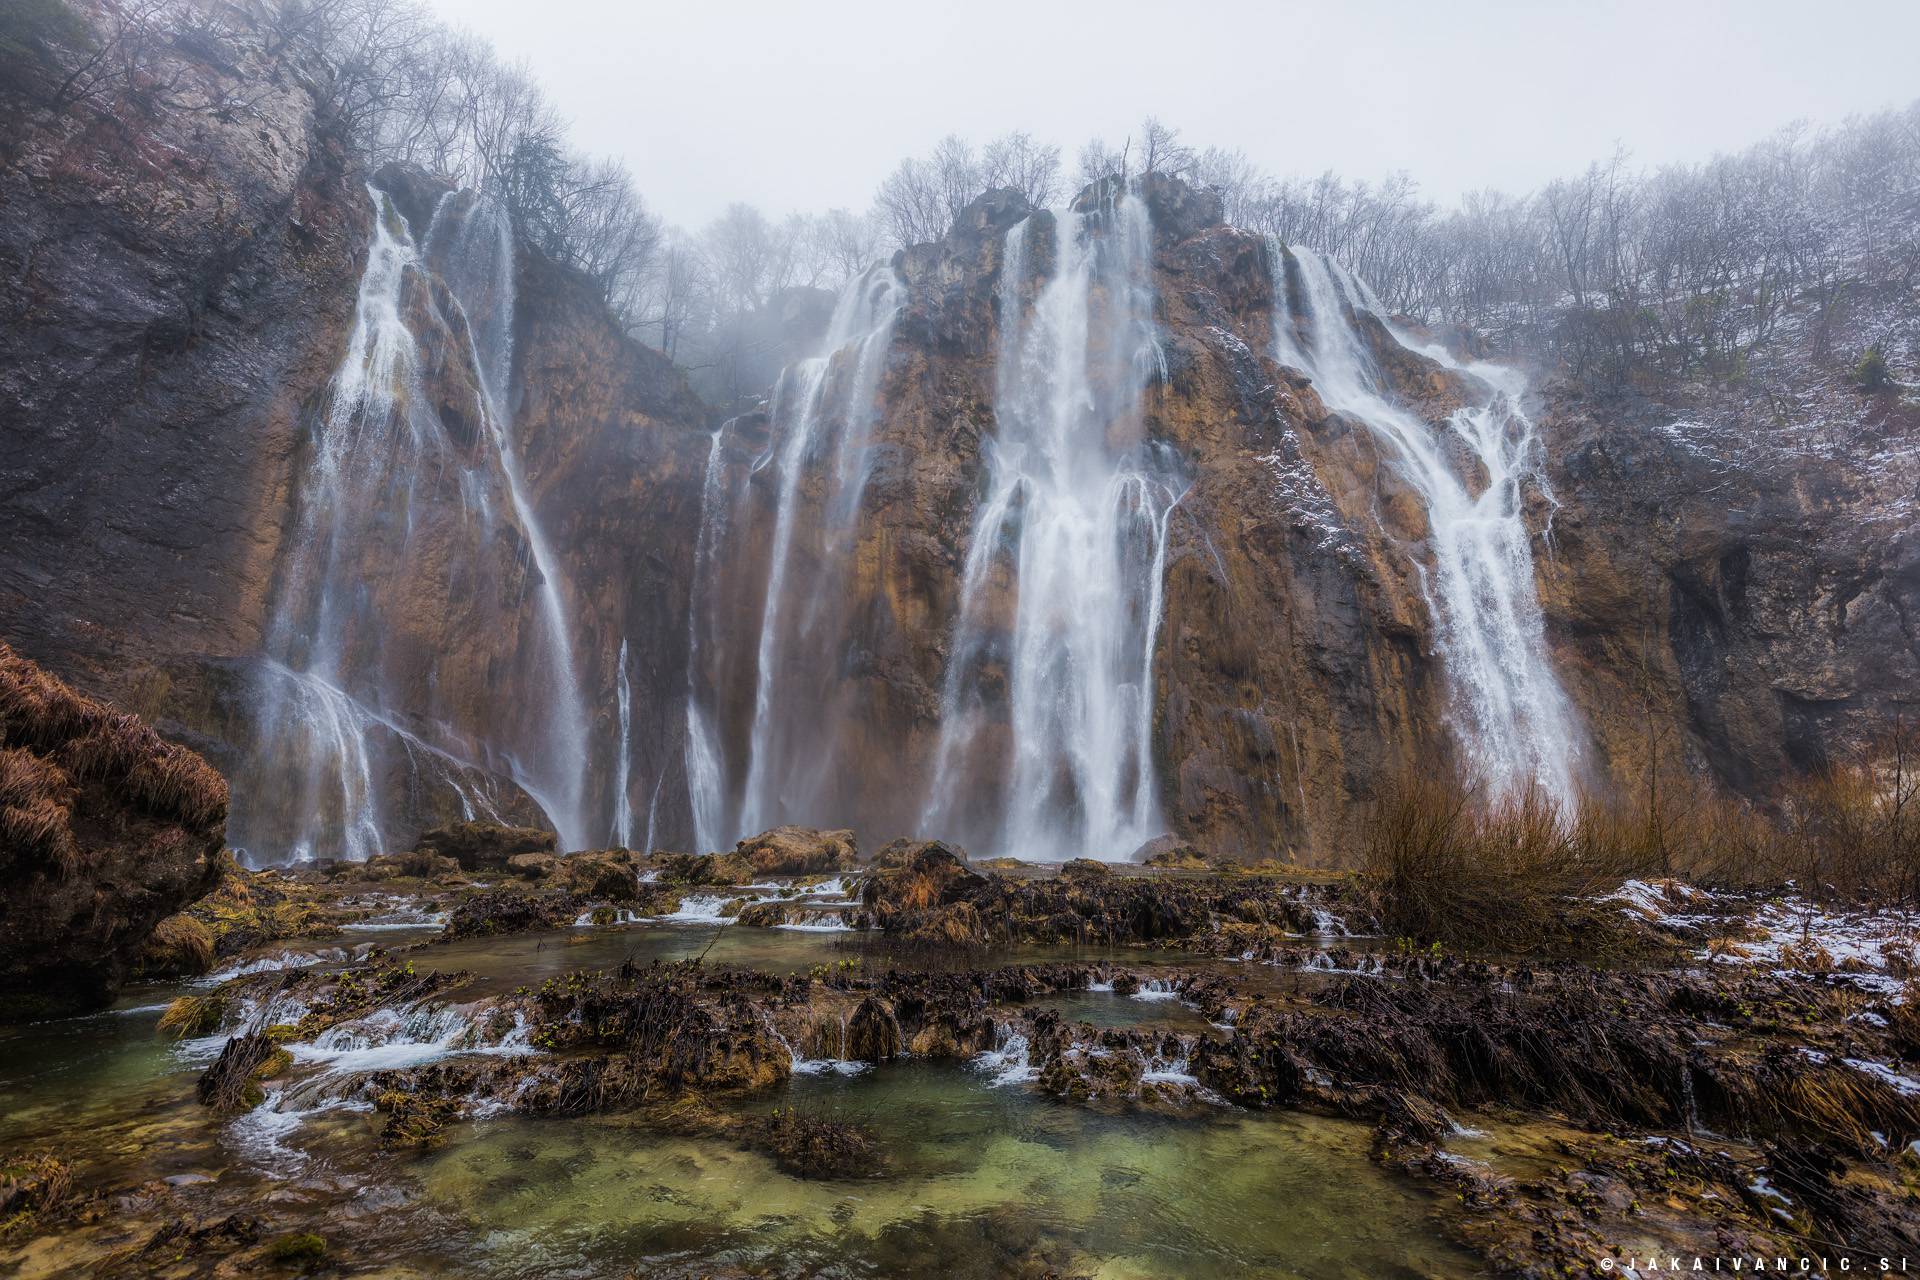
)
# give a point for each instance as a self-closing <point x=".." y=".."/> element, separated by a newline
<point x="1877" y="950"/>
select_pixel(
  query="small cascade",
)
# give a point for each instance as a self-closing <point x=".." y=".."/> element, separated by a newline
<point x="1514" y="722"/>
<point x="1045" y="747"/>
<point x="415" y="528"/>
<point x="1007" y="1062"/>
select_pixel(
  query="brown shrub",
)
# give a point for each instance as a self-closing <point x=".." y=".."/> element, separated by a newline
<point x="94" y="743"/>
<point x="1442" y="867"/>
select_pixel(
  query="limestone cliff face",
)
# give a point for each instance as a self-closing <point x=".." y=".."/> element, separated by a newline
<point x="616" y="447"/>
<point x="1754" y="608"/>
<point x="178" y="290"/>
<point x="1292" y="670"/>
<point x="173" y="285"/>
<point x="1725" y="597"/>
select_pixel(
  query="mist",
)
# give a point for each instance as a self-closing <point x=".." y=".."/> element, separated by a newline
<point x="796" y="109"/>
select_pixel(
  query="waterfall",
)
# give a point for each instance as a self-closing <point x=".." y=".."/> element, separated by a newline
<point x="1514" y="722"/>
<point x="623" y="771"/>
<point x="705" y="768"/>
<point x="822" y="408"/>
<point x="470" y="244"/>
<point x="403" y="506"/>
<point x="1046" y="740"/>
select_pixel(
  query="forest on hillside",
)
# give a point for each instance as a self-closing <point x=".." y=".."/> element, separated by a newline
<point x="1627" y="276"/>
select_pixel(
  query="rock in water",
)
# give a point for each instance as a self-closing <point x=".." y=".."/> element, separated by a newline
<point x="479" y="846"/>
<point x="799" y="851"/>
<point x="106" y="829"/>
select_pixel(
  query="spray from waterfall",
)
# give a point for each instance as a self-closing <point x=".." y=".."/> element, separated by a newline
<point x="388" y="474"/>
<point x="1046" y="742"/>
<point x="1514" y="722"/>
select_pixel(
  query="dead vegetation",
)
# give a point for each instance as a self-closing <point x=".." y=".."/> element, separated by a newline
<point x="77" y="741"/>
<point x="1440" y="864"/>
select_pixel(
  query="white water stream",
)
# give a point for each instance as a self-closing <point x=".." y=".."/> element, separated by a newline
<point x="1514" y="722"/>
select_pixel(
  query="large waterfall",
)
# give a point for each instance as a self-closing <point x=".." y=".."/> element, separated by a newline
<point x="1046" y="741"/>
<point x="1514" y="722"/>
<point x="413" y="470"/>
<point x="1041" y="743"/>
<point x="816" y="466"/>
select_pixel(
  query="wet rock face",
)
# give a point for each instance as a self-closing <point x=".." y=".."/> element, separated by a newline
<point x="105" y="829"/>
<point x="173" y="285"/>
<point x="1750" y="599"/>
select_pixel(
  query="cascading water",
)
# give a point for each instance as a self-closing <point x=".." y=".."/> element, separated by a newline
<point x="816" y="463"/>
<point x="1045" y="748"/>
<point x="1513" y="719"/>
<point x="623" y="767"/>
<point x="705" y="767"/>
<point x="820" y="424"/>
<point x="399" y="477"/>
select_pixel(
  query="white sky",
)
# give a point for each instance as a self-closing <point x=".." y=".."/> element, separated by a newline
<point x="807" y="105"/>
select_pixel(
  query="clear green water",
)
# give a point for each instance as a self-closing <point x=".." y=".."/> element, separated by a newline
<point x="983" y="1181"/>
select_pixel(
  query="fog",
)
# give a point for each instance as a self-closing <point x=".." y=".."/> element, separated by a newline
<point x="808" y="107"/>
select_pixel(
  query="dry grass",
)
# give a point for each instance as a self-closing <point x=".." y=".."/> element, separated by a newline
<point x="1445" y="866"/>
<point x="35" y="803"/>
<point x="180" y="946"/>
<point x="193" y="1016"/>
<point x="87" y="741"/>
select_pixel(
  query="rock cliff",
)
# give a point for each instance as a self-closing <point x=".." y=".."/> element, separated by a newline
<point x="513" y="622"/>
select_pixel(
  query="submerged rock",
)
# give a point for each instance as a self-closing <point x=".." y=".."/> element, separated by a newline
<point x="106" y="828"/>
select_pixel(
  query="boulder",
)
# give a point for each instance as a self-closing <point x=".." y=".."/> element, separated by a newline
<point x="799" y="851"/>
<point x="106" y="829"/>
<point x="1085" y="869"/>
<point x="479" y="846"/>
<point x="533" y="866"/>
<point x="608" y="876"/>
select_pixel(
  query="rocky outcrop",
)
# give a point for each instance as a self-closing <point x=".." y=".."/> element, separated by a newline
<point x="175" y="281"/>
<point x="799" y="851"/>
<point x="1730" y="595"/>
<point x="486" y="846"/>
<point x="105" y="830"/>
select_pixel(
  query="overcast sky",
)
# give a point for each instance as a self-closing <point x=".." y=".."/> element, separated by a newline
<point x="807" y="106"/>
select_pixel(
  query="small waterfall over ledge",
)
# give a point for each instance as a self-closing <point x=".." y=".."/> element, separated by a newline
<point x="1046" y="739"/>
<point x="413" y="471"/>
<point x="1514" y="722"/>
